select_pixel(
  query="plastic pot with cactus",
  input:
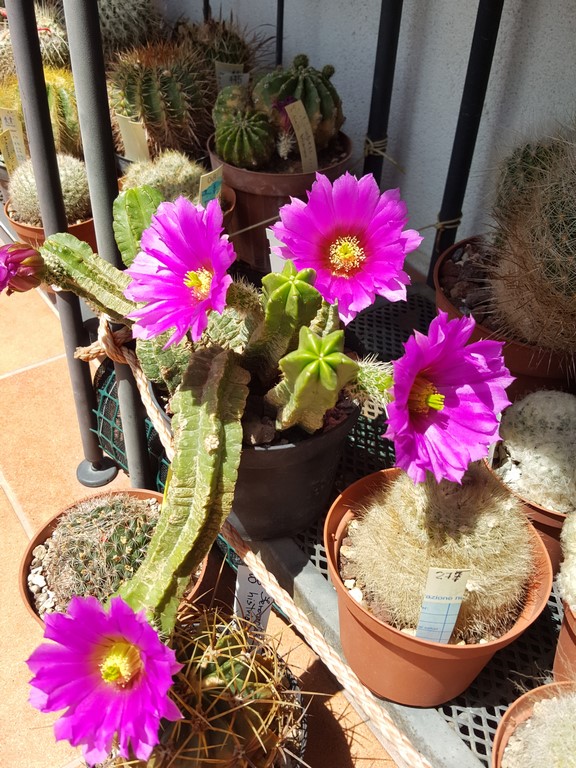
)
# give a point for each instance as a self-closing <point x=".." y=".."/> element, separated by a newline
<point x="256" y="146"/>
<point x="23" y="205"/>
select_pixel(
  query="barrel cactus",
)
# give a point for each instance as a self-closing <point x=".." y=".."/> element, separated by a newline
<point x="246" y="140"/>
<point x="23" y="193"/>
<point x="170" y="88"/>
<point x="172" y="173"/>
<point x="51" y="36"/>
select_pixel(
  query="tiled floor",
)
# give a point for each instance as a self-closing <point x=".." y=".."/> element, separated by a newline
<point x="39" y="451"/>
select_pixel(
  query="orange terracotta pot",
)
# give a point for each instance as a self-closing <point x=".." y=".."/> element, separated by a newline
<point x="46" y="531"/>
<point x="34" y="236"/>
<point x="534" y="368"/>
<point x="565" y="657"/>
<point x="260" y="195"/>
<point x="397" y="666"/>
<point x="519" y="711"/>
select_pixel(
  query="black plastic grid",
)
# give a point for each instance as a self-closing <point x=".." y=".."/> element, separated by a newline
<point x="382" y="329"/>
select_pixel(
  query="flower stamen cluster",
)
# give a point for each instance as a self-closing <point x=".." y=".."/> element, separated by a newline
<point x="346" y="256"/>
<point x="121" y="665"/>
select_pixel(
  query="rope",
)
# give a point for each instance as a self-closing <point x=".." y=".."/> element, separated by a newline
<point x="396" y="743"/>
<point x="379" y="148"/>
<point x="442" y="225"/>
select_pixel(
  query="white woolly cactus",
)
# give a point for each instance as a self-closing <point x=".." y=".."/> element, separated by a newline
<point x="409" y="527"/>
<point x="567" y="577"/>
<point x="539" y="444"/>
<point x="547" y="738"/>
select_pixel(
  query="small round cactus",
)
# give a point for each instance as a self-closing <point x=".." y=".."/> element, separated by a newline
<point x="23" y="193"/>
<point x="51" y="36"/>
<point x="172" y="173"/>
<point x="230" y="100"/>
<point x="246" y="140"/>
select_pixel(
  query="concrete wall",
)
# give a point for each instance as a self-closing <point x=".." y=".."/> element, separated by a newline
<point x="532" y="86"/>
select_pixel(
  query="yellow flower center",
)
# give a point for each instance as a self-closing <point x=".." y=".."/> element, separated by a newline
<point x="346" y="255"/>
<point x="199" y="282"/>
<point x="424" y="396"/>
<point x="122" y="664"/>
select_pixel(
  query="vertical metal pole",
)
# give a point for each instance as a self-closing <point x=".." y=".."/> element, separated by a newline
<point x="474" y="92"/>
<point x="279" y="32"/>
<point x="84" y="39"/>
<point x="95" y="470"/>
<point x="387" y="46"/>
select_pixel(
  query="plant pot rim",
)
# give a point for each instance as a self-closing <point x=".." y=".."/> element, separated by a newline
<point x="521" y="710"/>
<point x="46" y="530"/>
<point x="40" y="228"/>
<point x="543" y="581"/>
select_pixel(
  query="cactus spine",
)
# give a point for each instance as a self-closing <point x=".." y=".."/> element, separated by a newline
<point x="172" y="173"/>
<point x="51" y="36"/>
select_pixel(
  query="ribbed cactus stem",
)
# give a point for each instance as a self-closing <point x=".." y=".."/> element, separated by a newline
<point x="314" y="374"/>
<point x="290" y="301"/>
<point x="327" y="319"/>
<point x="71" y="265"/>
<point x="163" y="365"/>
<point x="242" y="315"/>
<point x="207" y="443"/>
<point x="133" y="210"/>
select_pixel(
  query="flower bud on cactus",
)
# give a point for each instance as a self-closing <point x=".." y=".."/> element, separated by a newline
<point x="21" y="268"/>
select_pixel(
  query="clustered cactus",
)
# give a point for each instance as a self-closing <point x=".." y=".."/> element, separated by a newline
<point x="172" y="173"/>
<point x="51" y="35"/>
<point x="240" y="708"/>
<point x="252" y="125"/>
<point x="23" y="193"/>
<point x="533" y="280"/>
<point x="477" y="525"/>
<point x="97" y="545"/>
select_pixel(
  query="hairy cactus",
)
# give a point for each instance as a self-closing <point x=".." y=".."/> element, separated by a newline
<point x="547" y="737"/>
<point x="476" y="525"/>
<point x="23" y="193"/>
<point x="240" y="707"/>
<point x="301" y="81"/>
<point x="97" y="544"/>
<point x="533" y="279"/>
<point x="51" y="35"/>
<point x="168" y="87"/>
<point x="62" y="105"/>
<point x="567" y="575"/>
<point x="172" y="173"/>
<point x="245" y="139"/>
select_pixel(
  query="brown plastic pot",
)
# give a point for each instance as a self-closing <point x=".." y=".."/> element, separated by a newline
<point x="46" y="531"/>
<point x="34" y="236"/>
<point x="565" y="657"/>
<point x="533" y="367"/>
<point x="259" y="197"/>
<point x="397" y="666"/>
<point x="520" y="711"/>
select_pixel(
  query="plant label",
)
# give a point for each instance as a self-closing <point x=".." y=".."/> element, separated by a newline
<point x="9" y="121"/>
<point x="303" y="130"/>
<point x="134" y="138"/>
<point x="8" y="152"/>
<point x="210" y="185"/>
<point x="443" y="596"/>
<point x="251" y="601"/>
<point x="230" y="74"/>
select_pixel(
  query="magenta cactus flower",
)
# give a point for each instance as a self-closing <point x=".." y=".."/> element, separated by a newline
<point x="353" y="237"/>
<point x="111" y="673"/>
<point x="180" y="273"/>
<point x="21" y="268"/>
<point x="447" y="395"/>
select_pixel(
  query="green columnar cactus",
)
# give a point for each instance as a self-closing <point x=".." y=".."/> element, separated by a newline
<point x="51" y="36"/>
<point x="23" y="193"/>
<point x="172" y="173"/>
<point x="314" y="375"/>
<point x="133" y="211"/>
<point x="168" y="87"/>
<point x="245" y="139"/>
<point x="240" y="708"/>
<point x="313" y="87"/>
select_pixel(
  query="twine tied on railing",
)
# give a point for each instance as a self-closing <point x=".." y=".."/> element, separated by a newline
<point x="112" y="344"/>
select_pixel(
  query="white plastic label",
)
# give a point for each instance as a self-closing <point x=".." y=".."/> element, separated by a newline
<point x="277" y="263"/>
<point x="230" y="74"/>
<point x="251" y="601"/>
<point x="133" y="135"/>
<point x="445" y="589"/>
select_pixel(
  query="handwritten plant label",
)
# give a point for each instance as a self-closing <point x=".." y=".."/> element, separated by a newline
<point x="445" y="589"/>
<point x="10" y="121"/>
<point x="251" y="601"/>
<point x="210" y="185"/>
<point x="8" y="152"/>
<point x="303" y="130"/>
<point x="230" y="74"/>
<point x="134" y="138"/>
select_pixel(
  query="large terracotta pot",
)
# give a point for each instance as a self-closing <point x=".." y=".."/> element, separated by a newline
<point x="46" y="531"/>
<point x="34" y="236"/>
<point x="259" y="196"/>
<point x="519" y="711"/>
<point x="565" y="657"/>
<point x="397" y="666"/>
<point x="534" y="368"/>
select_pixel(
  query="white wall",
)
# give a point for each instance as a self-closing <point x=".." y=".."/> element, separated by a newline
<point x="532" y="86"/>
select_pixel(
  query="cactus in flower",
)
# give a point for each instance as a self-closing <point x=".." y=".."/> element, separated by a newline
<point x="245" y="139"/>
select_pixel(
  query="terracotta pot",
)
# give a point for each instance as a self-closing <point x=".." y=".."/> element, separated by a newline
<point x="46" y="531"/>
<point x="397" y="666"/>
<point x="534" y="368"/>
<point x="565" y="657"/>
<point x="519" y="711"/>
<point x="259" y="196"/>
<point x="34" y="236"/>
